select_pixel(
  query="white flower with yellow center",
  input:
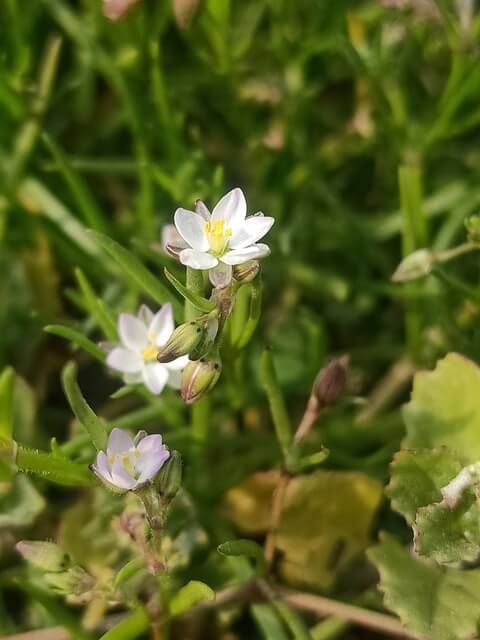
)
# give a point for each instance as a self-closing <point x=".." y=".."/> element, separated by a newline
<point x="142" y="337"/>
<point x="128" y="464"/>
<point x="225" y="237"/>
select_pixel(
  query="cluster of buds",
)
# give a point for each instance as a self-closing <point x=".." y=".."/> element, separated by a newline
<point x="60" y="574"/>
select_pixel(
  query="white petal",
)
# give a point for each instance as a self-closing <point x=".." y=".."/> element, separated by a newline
<point x="161" y="326"/>
<point x="191" y="227"/>
<point x="177" y="365"/>
<point x="197" y="259"/>
<point x="150" y="443"/>
<point x="155" y="376"/>
<point x="120" y="476"/>
<point x="119" y="441"/>
<point x="101" y="466"/>
<point x="124" y="360"/>
<point x="232" y="208"/>
<point x="221" y="275"/>
<point x="134" y="378"/>
<point x="145" y="314"/>
<point x="170" y="236"/>
<point x="202" y="210"/>
<point x="237" y="256"/>
<point x="254" y="228"/>
<point x="132" y="332"/>
<point x="174" y="379"/>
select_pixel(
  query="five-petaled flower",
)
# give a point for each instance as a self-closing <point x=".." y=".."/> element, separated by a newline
<point x="225" y="237"/>
<point x="129" y="463"/>
<point x="142" y="337"/>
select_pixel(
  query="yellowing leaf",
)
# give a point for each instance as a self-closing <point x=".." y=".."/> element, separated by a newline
<point x="445" y="408"/>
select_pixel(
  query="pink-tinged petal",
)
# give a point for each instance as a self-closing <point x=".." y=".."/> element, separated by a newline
<point x="153" y="466"/>
<point x="190" y="226"/>
<point x="232" y="208"/>
<point x="161" y="326"/>
<point x="155" y="377"/>
<point x="102" y="465"/>
<point x="150" y="443"/>
<point x="202" y="210"/>
<point x="120" y="476"/>
<point x="176" y="365"/>
<point x="132" y="332"/>
<point x="170" y="236"/>
<point x="197" y="259"/>
<point x="105" y="479"/>
<point x="221" y="275"/>
<point x="254" y="228"/>
<point x="119" y="441"/>
<point x="237" y="256"/>
<point x="145" y="315"/>
<point x="124" y="360"/>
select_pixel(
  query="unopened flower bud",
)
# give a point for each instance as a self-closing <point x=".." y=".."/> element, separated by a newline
<point x="416" y="265"/>
<point x="189" y="337"/>
<point x="43" y="555"/>
<point x="169" y="479"/>
<point x="247" y="271"/>
<point x="330" y="383"/>
<point x="73" y="582"/>
<point x="116" y="9"/>
<point x="200" y="376"/>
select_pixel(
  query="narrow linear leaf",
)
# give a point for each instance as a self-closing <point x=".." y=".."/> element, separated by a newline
<point x="7" y="378"/>
<point x="130" y="628"/>
<point x="53" y="468"/>
<point x="243" y="547"/>
<point x="201" y="303"/>
<point x="96" y="307"/>
<point x="276" y="401"/>
<point x="253" y="314"/>
<point x="190" y="595"/>
<point x="128" y="571"/>
<point x="83" y="412"/>
<point x="77" y="338"/>
<point x="136" y="273"/>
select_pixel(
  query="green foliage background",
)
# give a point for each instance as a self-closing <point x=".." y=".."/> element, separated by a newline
<point x="354" y="124"/>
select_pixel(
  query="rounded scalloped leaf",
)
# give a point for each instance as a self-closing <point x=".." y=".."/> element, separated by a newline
<point x="417" y="477"/>
<point x="449" y="535"/>
<point x="444" y="409"/>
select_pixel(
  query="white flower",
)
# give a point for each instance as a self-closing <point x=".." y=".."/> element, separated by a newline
<point x="128" y="463"/>
<point x="225" y="237"/>
<point x="142" y="337"/>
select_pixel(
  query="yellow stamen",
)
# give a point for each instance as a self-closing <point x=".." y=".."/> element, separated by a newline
<point x="150" y="353"/>
<point x="218" y="235"/>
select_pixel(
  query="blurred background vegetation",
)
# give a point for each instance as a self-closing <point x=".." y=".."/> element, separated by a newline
<point x="355" y="124"/>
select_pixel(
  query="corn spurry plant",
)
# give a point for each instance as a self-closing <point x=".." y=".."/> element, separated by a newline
<point x="214" y="472"/>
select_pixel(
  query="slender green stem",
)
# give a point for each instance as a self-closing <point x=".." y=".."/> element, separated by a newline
<point x="276" y="401"/>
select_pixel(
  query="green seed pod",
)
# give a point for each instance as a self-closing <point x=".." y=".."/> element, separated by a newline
<point x="417" y="265"/>
<point x="43" y="555"/>
<point x="200" y="376"/>
<point x="169" y="478"/>
<point x="188" y="337"/>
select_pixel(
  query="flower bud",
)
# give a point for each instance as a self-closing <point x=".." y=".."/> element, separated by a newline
<point x="330" y="383"/>
<point x="189" y="337"/>
<point x="200" y="376"/>
<point x="43" y="555"/>
<point x="169" y="479"/>
<point x="247" y="271"/>
<point x="416" y="265"/>
<point x="116" y="9"/>
<point x="73" y="582"/>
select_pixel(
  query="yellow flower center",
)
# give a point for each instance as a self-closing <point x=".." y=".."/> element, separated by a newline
<point x="150" y="353"/>
<point x="126" y="459"/>
<point x="217" y="235"/>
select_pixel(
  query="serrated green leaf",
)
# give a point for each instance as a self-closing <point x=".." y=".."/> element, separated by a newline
<point x="445" y="408"/>
<point x="190" y="595"/>
<point x="199" y="302"/>
<point x="136" y="273"/>
<point x="77" y="338"/>
<point x="431" y="601"/>
<point x="83" y="412"/>
<point x="247" y="548"/>
<point x="53" y="468"/>
<point x="417" y="477"/>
